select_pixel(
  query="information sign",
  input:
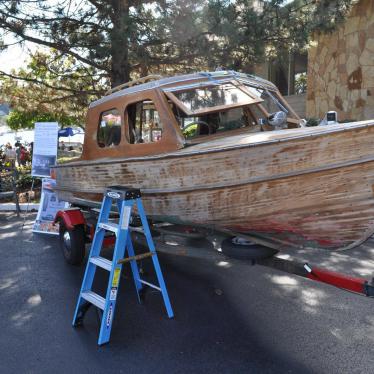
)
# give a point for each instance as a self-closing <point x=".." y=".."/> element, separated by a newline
<point x="45" y="148"/>
<point x="49" y="206"/>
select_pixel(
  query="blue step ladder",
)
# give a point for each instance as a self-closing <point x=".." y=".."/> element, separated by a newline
<point x="126" y="198"/>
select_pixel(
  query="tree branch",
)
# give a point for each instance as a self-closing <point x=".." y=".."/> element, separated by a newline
<point x="57" y="88"/>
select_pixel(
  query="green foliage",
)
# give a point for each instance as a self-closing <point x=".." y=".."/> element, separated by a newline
<point x="301" y="83"/>
<point x="17" y="120"/>
<point x="44" y="92"/>
<point x="63" y="160"/>
<point x="310" y="122"/>
<point x="190" y="132"/>
<point x="327" y="14"/>
<point x="119" y="38"/>
<point x="90" y="45"/>
<point x="244" y="32"/>
<point x="24" y="181"/>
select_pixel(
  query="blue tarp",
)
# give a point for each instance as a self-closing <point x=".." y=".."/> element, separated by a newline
<point x="67" y="131"/>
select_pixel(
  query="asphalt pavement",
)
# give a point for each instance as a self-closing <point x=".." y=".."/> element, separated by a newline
<point x="230" y="317"/>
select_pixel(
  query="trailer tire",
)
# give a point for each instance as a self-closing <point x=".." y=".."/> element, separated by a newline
<point x="72" y="243"/>
<point x="245" y="250"/>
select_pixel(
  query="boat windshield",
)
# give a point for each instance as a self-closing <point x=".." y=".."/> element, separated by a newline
<point x="271" y="100"/>
<point x="202" y="109"/>
<point x="218" y="122"/>
<point x="211" y="98"/>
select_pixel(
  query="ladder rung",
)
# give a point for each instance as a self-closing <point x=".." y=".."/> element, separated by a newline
<point x="136" y="229"/>
<point x="136" y="258"/>
<point x="150" y="284"/>
<point x="112" y="212"/>
<point x="94" y="299"/>
<point x="109" y="226"/>
<point x="101" y="262"/>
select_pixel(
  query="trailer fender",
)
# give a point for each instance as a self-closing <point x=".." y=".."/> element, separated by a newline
<point x="70" y="218"/>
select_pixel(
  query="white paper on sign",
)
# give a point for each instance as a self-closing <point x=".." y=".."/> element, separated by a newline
<point x="48" y="207"/>
<point x="45" y="148"/>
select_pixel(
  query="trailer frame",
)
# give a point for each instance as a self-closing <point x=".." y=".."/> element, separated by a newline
<point x="77" y="217"/>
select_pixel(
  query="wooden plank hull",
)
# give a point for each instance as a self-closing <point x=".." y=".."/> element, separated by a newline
<point x="305" y="188"/>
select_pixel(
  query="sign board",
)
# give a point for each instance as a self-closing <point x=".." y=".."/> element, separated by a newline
<point x="45" y="148"/>
<point x="49" y="206"/>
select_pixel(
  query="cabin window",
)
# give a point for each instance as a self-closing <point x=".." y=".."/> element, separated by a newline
<point x="109" y="130"/>
<point x="144" y="123"/>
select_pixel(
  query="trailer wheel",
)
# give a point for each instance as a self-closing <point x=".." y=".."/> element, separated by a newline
<point x="243" y="249"/>
<point x="72" y="243"/>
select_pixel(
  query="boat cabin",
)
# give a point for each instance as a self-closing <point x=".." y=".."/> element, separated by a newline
<point x="155" y="115"/>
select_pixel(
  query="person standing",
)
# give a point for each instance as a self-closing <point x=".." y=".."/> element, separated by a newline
<point x="24" y="155"/>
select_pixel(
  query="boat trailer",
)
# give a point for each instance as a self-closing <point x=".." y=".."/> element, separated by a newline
<point x="75" y="222"/>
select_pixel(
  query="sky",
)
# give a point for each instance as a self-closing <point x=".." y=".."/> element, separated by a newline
<point x="12" y="58"/>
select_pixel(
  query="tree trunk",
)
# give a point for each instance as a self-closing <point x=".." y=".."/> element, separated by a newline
<point x="120" y="66"/>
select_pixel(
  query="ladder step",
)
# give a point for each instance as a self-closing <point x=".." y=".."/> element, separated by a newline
<point x="109" y="226"/>
<point x="94" y="299"/>
<point x="101" y="262"/>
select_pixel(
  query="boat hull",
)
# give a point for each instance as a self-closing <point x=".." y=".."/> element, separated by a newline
<point x="308" y="191"/>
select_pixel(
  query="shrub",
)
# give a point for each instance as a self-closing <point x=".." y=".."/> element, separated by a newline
<point x="312" y="122"/>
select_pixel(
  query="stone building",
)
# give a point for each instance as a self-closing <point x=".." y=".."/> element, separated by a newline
<point x="341" y="67"/>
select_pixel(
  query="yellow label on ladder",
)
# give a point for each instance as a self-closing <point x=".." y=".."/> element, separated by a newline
<point x="116" y="274"/>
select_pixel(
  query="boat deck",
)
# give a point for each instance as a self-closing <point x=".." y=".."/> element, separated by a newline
<point x="253" y="139"/>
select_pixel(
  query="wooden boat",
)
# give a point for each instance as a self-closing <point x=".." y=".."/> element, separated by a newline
<point x="306" y="187"/>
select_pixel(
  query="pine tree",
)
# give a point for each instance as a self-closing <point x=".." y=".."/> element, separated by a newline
<point x="92" y="44"/>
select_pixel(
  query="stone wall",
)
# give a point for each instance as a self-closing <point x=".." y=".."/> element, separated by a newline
<point x="341" y="68"/>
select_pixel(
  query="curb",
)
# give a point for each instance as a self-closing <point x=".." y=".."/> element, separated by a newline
<point x="6" y="207"/>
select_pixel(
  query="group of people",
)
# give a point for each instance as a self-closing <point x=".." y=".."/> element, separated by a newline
<point x="21" y="154"/>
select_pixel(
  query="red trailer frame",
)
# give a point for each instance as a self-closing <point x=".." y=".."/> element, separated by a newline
<point x="74" y="226"/>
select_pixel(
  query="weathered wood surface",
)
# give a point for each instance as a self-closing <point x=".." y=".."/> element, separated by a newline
<point x="305" y="187"/>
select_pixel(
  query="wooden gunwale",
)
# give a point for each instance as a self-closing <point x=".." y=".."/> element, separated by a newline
<point x="248" y="181"/>
<point x="186" y="152"/>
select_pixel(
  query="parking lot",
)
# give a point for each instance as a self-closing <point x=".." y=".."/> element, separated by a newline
<point x="229" y="317"/>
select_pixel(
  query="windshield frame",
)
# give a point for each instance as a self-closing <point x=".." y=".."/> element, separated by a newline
<point x="252" y="100"/>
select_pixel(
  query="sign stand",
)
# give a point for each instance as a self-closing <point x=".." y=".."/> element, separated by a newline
<point x="14" y="185"/>
<point x="28" y="203"/>
<point x="44" y="156"/>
